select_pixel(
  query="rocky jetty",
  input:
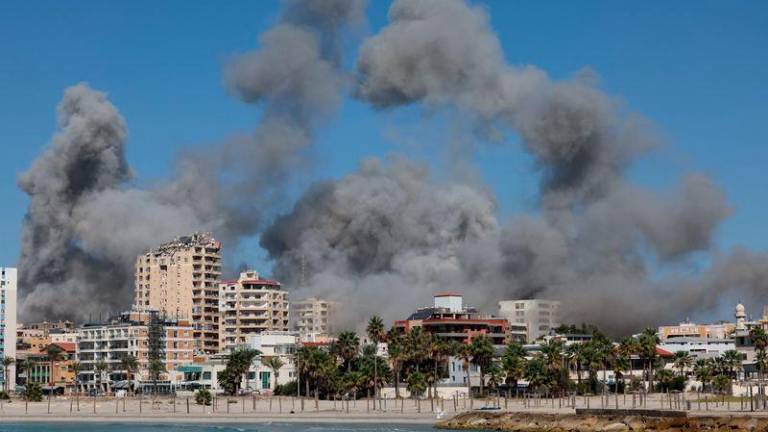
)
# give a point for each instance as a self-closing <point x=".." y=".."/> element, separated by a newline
<point x="534" y="422"/>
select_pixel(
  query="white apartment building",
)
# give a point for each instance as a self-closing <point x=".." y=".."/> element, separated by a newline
<point x="8" y="291"/>
<point x="699" y="347"/>
<point x="249" y="306"/>
<point x="114" y="341"/>
<point x="280" y="344"/>
<point x="313" y="318"/>
<point x="540" y="316"/>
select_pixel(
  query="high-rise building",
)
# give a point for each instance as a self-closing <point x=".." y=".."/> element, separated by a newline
<point x="539" y="315"/>
<point x="8" y="323"/>
<point x="313" y="318"/>
<point x="251" y="305"/>
<point x="180" y="279"/>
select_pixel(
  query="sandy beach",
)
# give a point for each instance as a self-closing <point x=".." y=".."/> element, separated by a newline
<point x="288" y="410"/>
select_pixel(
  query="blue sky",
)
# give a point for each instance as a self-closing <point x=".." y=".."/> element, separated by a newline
<point x="697" y="69"/>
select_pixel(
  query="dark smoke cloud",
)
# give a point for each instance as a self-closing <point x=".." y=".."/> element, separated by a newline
<point x="604" y="246"/>
<point x="85" y="224"/>
<point x="378" y="237"/>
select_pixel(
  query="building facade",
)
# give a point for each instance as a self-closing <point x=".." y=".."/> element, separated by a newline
<point x="540" y="316"/>
<point x="180" y="279"/>
<point x="313" y="318"/>
<point x="137" y="334"/>
<point x="8" y="292"/>
<point x="251" y="305"/>
<point x="692" y="330"/>
<point x="450" y="319"/>
<point x="280" y="344"/>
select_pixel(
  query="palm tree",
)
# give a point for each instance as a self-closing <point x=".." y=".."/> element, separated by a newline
<point x="733" y="360"/>
<point x="274" y="363"/>
<point x="346" y="347"/>
<point x="26" y="365"/>
<point x="396" y="352"/>
<point x="682" y="361"/>
<point x="648" y="341"/>
<point x="416" y="342"/>
<point x="513" y="363"/>
<point x="76" y="367"/>
<point x="482" y="355"/>
<point x="100" y="367"/>
<point x="760" y="341"/>
<point x="702" y="370"/>
<point x="7" y="362"/>
<point x="376" y="333"/>
<point x="129" y="364"/>
<point x="575" y="353"/>
<point x="621" y="364"/>
<point x="54" y="353"/>
<point x="155" y="369"/>
<point x="465" y="354"/>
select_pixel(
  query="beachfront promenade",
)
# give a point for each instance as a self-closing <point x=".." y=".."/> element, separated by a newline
<point x="249" y="408"/>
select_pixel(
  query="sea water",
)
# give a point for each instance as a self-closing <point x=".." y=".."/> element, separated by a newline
<point x="212" y="427"/>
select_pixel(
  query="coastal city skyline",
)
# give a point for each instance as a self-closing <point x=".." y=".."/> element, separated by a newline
<point x="466" y="214"/>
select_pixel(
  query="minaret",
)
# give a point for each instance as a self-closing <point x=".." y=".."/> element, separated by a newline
<point x="740" y="317"/>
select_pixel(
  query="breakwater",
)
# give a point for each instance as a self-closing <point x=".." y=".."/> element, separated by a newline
<point x="647" y="422"/>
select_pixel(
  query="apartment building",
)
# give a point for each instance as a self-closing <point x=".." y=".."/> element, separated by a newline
<point x="450" y="319"/>
<point x="249" y="306"/>
<point x="313" y="318"/>
<point x="59" y="374"/>
<point x="8" y="291"/>
<point x="180" y="279"/>
<point x="142" y="334"/>
<point x="540" y="316"/>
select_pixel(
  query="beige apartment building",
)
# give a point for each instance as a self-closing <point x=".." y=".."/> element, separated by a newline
<point x="249" y="306"/>
<point x="180" y="279"/>
<point x="313" y="318"/>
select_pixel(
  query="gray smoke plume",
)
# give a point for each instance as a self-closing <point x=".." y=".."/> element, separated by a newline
<point x="86" y="224"/>
<point x="601" y="244"/>
<point x="378" y="237"/>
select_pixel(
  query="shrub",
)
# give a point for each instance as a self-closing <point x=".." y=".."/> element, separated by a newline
<point x="33" y="393"/>
<point x="4" y="395"/>
<point x="203" y="397"/>
<point x="287" y="389"/>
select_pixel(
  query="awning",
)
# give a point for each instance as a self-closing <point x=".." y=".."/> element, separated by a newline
<point x="190" y="369"/>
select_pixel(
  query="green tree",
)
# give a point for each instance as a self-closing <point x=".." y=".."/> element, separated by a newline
<point x="7" y="363"/>
<point x="76" y="368"/>
<point x="33" y="392"/>
<point x="482" y="356"/>
<point x="513" y="363"/>
<point x="273" y="363"/>
<point x="129" y="364"/>
<point x="417" y="383"/>
<point x="203" y="397"/>
<point x="760" y="340"/>
<point x="648" y="340"/>
<point x="664" y="378"/>
<point x="536" y="373"/>
<point x="397" y="355"/>
<point x="733" y="359"/>
<point x="54" y="354"/>
<point x="702" y="370"/>
<point x="238" y="364"/>
<point x="465" y="354"/>
<point x="682" y="361"/>
<point x="156" y="368"/>
<point x="100" y="367"/>
<point x="346" y="347"/>
<point x="377" y="334"/>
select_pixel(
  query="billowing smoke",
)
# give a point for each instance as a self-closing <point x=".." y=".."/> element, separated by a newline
<point x="617" y="254"/>
<point x="383" y="238"/>
<point x="86" y="224"/>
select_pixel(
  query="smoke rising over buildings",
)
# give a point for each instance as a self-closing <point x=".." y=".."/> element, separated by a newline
<point x="386" y="236"/>
<point x="85" y="224"/>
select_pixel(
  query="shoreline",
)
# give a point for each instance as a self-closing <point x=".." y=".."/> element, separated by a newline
<point x="214" y="419"/>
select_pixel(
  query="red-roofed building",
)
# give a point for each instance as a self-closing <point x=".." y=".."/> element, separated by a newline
<point x="450" y="319"/>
